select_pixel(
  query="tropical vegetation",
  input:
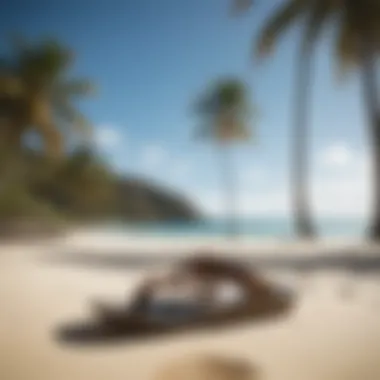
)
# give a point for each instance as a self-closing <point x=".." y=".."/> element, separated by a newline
<point x="224" y="110"/>
<point x="355" y="46"/>
<point x="48" y="170"/>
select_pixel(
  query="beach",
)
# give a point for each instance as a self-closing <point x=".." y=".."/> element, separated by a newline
<point x="332" y="333"/>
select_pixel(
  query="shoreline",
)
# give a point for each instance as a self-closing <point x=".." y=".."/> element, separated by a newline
<point x="98" y="239"/>
<point x="85" y="237"/>
<point x="47" y="285"/>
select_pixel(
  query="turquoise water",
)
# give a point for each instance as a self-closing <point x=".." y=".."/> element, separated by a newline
<point x="254" y="227"/>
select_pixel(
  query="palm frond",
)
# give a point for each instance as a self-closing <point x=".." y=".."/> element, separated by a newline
<point x="75" y="87"/>
<point x="72" y="120"/>
<point x="318" y="15"/>
<point x="347" y="41"/>
<point x="34" y="91"/>
<point x="239" y="6"/>
<point x="41" y="64"/>
<point x="279" y="22"/>
<point x="223" y="110"/>
<point x="10" y="86"/>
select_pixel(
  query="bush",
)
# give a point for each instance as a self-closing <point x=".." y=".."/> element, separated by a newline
<point x="16" y="202"/>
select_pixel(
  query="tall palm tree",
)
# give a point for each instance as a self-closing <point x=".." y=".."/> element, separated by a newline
<point x="356" y="44"/>
<point x="36" y="94"/>
<point x="224" y="109"/>
<point x="311" y="15"/>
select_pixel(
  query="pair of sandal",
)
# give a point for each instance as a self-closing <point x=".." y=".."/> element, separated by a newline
<point x="209" y="273"/>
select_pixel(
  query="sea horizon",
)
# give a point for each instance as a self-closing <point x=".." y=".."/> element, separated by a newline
<point x="256" y="227"/>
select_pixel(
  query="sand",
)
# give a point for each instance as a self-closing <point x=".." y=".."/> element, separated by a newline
<point x="333" y="333"/>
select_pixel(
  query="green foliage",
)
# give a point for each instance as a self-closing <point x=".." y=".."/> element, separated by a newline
<point x="79" y="187"/>
<point x="356" y="23"/>
<point x="82" y="188"/>
<point x="36" y="93"/>
<point x="17" y="203"/>
<point x="224" y="111"/>
<point x="87" y="184"/>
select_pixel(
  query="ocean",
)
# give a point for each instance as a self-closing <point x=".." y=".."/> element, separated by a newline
<point x="252" y="227"/>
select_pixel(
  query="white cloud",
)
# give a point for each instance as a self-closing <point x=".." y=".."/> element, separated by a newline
<point x="107" y="137"/>
<point x="348" y="194"/>
<point x="337" y="155"/>
<point x="251" y="176"/>
<point x="341" y="198"/>
<point x="339" y="185"/>
<point x="153" y="156"/>
<point x="180" y="170"/>
<point x="328" y="200"/>
<point x="272" y="202"/>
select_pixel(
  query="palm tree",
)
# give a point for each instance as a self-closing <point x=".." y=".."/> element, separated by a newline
<point x="223" y="109"/>
<point x="311" y="14"/>
<point x="356" y="44"/>
<point x="35" y="94"/>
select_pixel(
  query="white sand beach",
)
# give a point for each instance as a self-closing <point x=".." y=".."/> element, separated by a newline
<point x="330" y="335"/>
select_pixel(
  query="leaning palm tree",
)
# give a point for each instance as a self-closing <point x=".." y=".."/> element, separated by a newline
<point x="311" y="14"/>
<point x="36" y="95"/>
<point x="356" y="44"/>
<point x="223" y="110"/>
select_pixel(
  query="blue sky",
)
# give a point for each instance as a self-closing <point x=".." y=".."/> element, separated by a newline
<point x="151" y="58"/>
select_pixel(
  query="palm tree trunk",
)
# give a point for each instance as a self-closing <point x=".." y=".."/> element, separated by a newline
<point x="53" y="142"/>
<point x="300" y="148"/>
<point x="229" y="182"/>
<point x="371" y="97"/>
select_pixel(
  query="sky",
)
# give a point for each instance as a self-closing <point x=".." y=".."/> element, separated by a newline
<point x="150" y="59"/>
